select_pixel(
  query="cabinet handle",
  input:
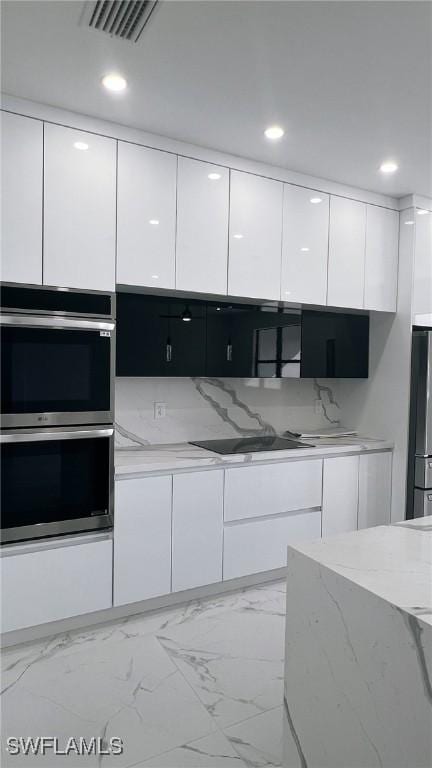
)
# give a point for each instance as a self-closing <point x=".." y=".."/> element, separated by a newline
<point x="229" y="353"/>
<point x="168" y="353"/>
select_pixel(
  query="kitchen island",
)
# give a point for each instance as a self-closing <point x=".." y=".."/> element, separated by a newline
<point x="358" y="663"/>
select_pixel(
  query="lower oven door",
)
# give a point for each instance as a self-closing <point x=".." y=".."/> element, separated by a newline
<point x="56" y="481"/>
<point x="422" y="502"/>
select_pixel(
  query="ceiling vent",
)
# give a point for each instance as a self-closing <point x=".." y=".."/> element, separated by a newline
<point x="118" y="18"/>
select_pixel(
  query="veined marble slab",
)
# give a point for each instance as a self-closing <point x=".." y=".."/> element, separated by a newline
<point x="178" y="457"/>
<point x="358" y="663"/>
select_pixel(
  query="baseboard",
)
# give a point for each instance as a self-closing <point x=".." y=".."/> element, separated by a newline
<point x="89" y="620"/>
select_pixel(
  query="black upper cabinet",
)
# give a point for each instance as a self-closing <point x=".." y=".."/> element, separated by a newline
<point x="252" y="341"/>
<point x="159" y="337"/>
<point x="334" y="345"/>
<point x="163" y="336"/>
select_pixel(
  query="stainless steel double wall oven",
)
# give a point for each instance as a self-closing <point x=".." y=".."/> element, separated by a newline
<point x="57" y="411"/>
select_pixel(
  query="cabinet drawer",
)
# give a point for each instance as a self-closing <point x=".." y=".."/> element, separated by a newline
<point x="261" y="545"/>
<point x="47" y="582"/>
<point x="272" y="489"/>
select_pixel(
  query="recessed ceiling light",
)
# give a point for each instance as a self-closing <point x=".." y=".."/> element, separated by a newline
<point x="81" y="145"/>
<point x="155" y="222"/>
<point x="389" y="166"/>
<point x="304" y="249"/>
<point x="238" y="236"/>
<point x="422" y="211"/>
<point x="316" y="200"/>
<point x="409" y="222"/>
<point x="214" y="176"/>
<point x="274" y="132"/>
<point x="114" y="82"/>
<point x="155" y="277"/>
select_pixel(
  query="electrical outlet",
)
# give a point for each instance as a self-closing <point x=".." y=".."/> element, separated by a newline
<point x="159" y="410"/>
<point x="318" y="407"/>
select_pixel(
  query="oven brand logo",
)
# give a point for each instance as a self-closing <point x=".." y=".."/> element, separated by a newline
<point x="42" y="745"/>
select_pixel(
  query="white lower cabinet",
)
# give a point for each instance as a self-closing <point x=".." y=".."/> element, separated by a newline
<point x="272" y="489"/>
<point x="197" y="529"/>
<point x="340" y="495"/>
<point x="142" y="539"/>
<point x="261" y="545"/>
<point x="375" y="476"/>
<point x="55" y="580"/>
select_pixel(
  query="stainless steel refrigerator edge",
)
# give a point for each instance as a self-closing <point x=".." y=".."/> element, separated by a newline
<point x="419" y="488"/>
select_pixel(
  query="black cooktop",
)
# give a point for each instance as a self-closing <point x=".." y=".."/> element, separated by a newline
<point x="248" y="444"/>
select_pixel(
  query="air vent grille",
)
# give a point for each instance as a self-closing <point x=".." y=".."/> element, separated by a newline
<point x="122" y="19"/>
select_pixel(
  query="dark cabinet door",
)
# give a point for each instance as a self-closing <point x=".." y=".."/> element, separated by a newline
<point x="184" y="327"/>
<point x="158" y="336"/>
<point x="246" y="341"/>
<point x="140" y="335"/>
<point x="334" y="345"/>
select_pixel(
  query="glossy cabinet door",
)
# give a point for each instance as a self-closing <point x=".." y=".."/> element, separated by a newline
<point x="146" y="216"/>
<point x="375" y="476"/>
<point x="197" y="529"/>
<point x="346" y="265"/>
<point x="381" y="266"/>
<point x="142" y="539"/>
<point x="21" y="199"/>
<point x="422" y="299"/>
<point x="79" y="209"/>
<point x="255" y="236"/>
<point x="340" y="495"/>
<point x="154" y="336"/>
<point x="202" y="227"/>
<point x="55" y="579"/>
<point x="304" y="245"/>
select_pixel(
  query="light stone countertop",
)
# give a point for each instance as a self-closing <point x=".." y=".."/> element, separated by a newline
<point x="181" y="457"/>
<point x="394" y="562"/>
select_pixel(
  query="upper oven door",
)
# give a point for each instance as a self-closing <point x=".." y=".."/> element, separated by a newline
<point x="56" y="371"/>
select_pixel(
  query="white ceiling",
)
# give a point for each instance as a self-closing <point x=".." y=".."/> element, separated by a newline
<point x="349" y="81"/>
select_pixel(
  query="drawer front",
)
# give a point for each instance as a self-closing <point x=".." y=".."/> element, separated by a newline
<point x="261" y="545"/>
<point x="422" y="503"/>
<point x="55" y="582"/>
<point x="272" y="489"/>
<point x="423" y="472"/>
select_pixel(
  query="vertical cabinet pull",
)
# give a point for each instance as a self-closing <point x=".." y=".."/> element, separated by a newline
<point x="168" y="351"/>
<point x="229" y="352"/>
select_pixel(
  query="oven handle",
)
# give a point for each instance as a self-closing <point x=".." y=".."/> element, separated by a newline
<point x="35" y="321"/>
<point x="33" y="436"/>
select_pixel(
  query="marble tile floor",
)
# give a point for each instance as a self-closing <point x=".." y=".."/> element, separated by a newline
<point x="199" y="684"/>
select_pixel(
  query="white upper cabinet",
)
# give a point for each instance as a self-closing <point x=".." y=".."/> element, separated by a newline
<point x="346" y="265"/>
<point x="304" y="245"/>
<point x="202" y="227"/>
<point x="255" y="236"/>
<point x="79" y="209"/>
<point x="422" y="300"/>
<point x="21" y="199"/>
<point x="381" y="267"/>
<point x="146" y="216"/>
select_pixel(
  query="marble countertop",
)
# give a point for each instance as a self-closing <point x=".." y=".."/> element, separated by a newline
<point x="393" y="562"/>
<point x="180" y="457"/>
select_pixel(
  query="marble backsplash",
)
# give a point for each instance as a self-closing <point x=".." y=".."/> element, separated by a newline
<point x="200" y="409"/>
